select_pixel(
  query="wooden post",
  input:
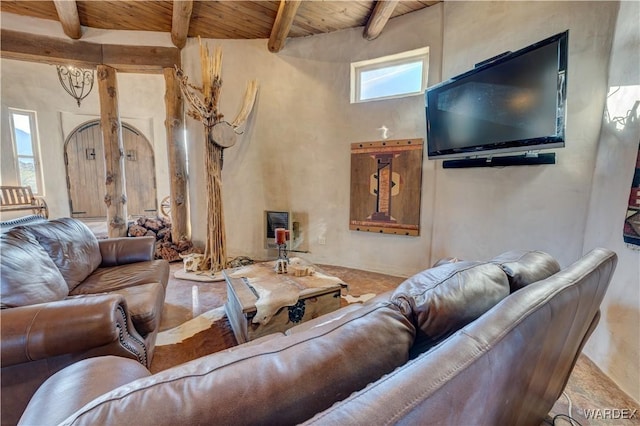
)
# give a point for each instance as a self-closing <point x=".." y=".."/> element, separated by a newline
<point x="177" y="156"/>
<point x="116" y="193"/>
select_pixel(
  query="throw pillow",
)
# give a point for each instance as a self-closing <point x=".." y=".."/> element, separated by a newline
<point x="439" y="301"/>
<point x="526" y="267"/>
<point x="72" y="247"/>
<point x="27" y="273"/>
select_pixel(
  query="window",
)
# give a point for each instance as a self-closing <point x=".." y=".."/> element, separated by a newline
<point x="394" y="76"/>
<point x="25" y="144"/>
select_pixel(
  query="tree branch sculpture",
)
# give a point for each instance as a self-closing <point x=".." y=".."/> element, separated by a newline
<point x="203" y="102"/>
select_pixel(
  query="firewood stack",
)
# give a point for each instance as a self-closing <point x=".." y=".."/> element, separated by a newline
<point x="160" y="228"/>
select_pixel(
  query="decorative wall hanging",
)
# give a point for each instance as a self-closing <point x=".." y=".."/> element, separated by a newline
<point x="219" y="134"/>
<point x="632" y="221"/>
<point x="386" y="178"/>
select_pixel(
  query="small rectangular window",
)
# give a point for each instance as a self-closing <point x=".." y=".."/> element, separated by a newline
<point x="394" y="76"/>
<point x="25" y="141"/>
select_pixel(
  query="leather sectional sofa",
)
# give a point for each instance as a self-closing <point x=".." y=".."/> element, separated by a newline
<point x="463" y="343"/>
<point x="67" y="296"/>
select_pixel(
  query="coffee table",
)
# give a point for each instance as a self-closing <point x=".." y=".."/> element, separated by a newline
<point x="261" y="302"/>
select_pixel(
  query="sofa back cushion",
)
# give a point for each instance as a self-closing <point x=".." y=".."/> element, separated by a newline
<point x="506" y="368"/>
<point x="279" y="380"/>
<point x="441" y="300"/>
<point x="525" y="267"/>
<point x="72" y="247"/>
<point x="27" y="273"/>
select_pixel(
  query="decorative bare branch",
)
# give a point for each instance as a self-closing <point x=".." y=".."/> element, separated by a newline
<point x="247" y="105"/>
<point x="203" y="106"/>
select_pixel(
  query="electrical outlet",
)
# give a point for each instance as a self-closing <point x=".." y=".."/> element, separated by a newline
<point x="322" y="241"/>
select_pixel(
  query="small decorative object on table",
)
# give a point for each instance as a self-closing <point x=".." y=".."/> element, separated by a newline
<point x="282" y="264"/>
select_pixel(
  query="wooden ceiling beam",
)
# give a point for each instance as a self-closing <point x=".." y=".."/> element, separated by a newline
<point x="56" y="51"/>
<point x="180" y="22"/>
<point x="282" y="25"/>
<point x="48" y="50"/>
<point x="142" y="59"/>
<point x="382" y="11"/>
<point x="68" y="15"/>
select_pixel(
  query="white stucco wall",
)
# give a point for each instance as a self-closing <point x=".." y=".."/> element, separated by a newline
<point x="615" y="344"/>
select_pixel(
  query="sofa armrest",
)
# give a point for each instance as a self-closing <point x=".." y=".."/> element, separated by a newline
<point x="82" y="324"/>
<point x="78" y="384"/>
<point x="123" y="250"/>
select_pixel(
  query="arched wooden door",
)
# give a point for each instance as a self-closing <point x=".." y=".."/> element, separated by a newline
<point x="84" y="159"/>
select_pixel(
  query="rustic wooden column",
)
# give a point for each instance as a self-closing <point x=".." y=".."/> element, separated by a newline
<point x="115" y="184"/>
<point x="177" y="156"/>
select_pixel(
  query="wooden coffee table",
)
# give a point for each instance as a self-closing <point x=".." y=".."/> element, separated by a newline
<point x="261" y="302"/>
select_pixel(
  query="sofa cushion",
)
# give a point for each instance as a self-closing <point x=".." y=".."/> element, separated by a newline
<point x="114" y="278"/>
<point x="144" y="303"/>
<point x="283" y="380"/>
<point x="441" y="300"/>
<point x="71" y="245"/>
<point x="28" y="274"/>
<point x="525" y="267"/>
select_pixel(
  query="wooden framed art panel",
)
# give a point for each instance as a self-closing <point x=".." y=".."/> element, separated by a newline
<point x="386" y="178"/>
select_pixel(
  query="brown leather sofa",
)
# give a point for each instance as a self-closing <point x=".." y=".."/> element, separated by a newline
<point x="464" y="343"/>
<point x="67" y="296"/>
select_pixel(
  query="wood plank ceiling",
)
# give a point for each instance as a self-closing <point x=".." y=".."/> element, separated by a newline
<point x="228" y="19"/>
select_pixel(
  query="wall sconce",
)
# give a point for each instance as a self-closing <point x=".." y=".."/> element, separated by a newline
<point x="75" y="81"/>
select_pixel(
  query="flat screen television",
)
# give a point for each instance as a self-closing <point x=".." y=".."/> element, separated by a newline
<point x="513" y="102"/>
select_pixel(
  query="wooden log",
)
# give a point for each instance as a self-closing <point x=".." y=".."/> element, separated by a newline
<point x="176" y="151"/>
<point x="115" y="183"/>
<point x="282" y="25"/>
<point x="68" y="15"/>
<point x="379" y="18"/>
<point x="23" y="46"/>
<point x="180" y="22"/>
<point x="50" y="50"/>
<point x="142" y="59"/>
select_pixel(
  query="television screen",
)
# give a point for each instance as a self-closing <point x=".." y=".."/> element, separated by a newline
<point x="513" y="103"/>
